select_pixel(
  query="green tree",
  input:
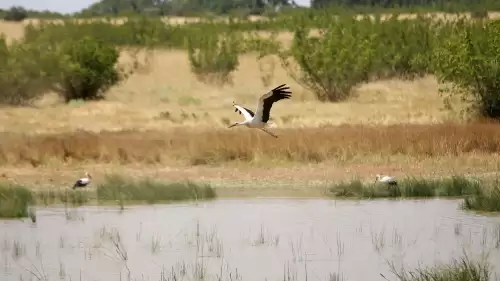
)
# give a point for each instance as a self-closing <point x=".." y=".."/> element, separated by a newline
<point x="470" y="60"/>
<point x="87" y="69"/>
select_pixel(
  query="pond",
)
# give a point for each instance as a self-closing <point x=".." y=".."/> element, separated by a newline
<point x="244" y="239"/>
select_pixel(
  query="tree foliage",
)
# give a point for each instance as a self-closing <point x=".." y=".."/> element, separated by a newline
<point x="76" y="69"/>
<point x="86" y="69"/>
<point x="350" y="51"/>
<point x="181" y="7"/>
<point x="213" y="57"/>
<point x="16" y="13"/>
<point x="470" y="60"/>
<point x="333" y="62"/>
<point x="331" y="53"/>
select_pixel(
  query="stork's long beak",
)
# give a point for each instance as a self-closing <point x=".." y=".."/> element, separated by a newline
<point x="271" y="134"/>
<point x="232" y="125"/>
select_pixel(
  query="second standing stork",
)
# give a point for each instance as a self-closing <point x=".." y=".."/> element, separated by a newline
<point x="259" y="119"/>
<point x="83" y="182"/>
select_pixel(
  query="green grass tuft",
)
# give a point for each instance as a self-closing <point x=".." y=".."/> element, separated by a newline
<point x="116" y="187"/>
<point x="66" y="196"/>
<point x="408" y="188"/>
<point x="484" y="199"/>
<point x="461" y="269"/>
<point x="14" y="200"/>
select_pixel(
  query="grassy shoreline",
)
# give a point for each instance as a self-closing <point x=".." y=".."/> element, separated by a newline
<point x="478" y="195"/>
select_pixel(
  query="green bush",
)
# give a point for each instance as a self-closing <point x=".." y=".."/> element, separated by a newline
<point x="87" y="69"/>
<point x="14" y="200"/>
<point x="15" y="14"/>
<point x="470" y="60"/>
<point x="404" y="47"/>
<point x="213" y="57"/>
<point x="350" y="51"/>
<point x="333" y="62"/>
<point x="76" y="69"/>
<point x="22" y="75"/>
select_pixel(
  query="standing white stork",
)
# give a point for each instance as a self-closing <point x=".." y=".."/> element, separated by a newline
<point x="386" y="179"/>
<point x="83" y="182"/>
<point x="259" y="120"/>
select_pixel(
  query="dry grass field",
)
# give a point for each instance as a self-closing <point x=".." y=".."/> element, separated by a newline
<point x="163" y="122"/>
<point x="167" y="95"/>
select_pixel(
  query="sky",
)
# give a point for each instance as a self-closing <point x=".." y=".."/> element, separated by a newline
<point x="66" y="6"/>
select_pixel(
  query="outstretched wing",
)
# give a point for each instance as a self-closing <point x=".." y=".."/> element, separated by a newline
<point x="266" y="101"/>
<point x="247" y="113"/>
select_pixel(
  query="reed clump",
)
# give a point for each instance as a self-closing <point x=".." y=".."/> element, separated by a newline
<point x="198" y="147"/>
<point x="14" y="200"/>
<point x="116" y="187"/>
<point x="484" y="199"/>
<point x="52" y="196"/>
<point x="410" y="187"/>
<point x="461" y="269"/>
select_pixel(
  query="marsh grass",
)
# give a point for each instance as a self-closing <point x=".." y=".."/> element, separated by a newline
<point x="201" y="147"/>
<point x="461" y="269"/>
<point x="478" y="196"/>
<point x="14" y="200"/>
<point x="116" y="187"/>
<point x="54" y="196"/>
<point x="484" y="199"/>
<point x="454" y="186"/>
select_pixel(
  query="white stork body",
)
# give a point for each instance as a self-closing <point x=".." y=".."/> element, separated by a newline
<point x="386" y="179"/>
<point x="261" y="117"/>
<point x="83" y="182"/>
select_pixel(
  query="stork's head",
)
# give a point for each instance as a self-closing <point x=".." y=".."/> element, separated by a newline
<point x="234" y="124"/>
<point x="377" y="177"/>
<point x="88" y="175"/>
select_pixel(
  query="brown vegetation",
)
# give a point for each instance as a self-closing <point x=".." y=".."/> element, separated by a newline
<point x="198" y="147"/>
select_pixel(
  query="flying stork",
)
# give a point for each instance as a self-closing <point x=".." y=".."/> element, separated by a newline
<point x="386" y="179"/>
<point x="83" y="182"/>
<point x="259" y="120"/>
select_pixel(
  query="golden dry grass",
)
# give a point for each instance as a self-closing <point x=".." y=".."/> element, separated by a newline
<point x="307" y="145"/>
<point x="252" y="162"/>
<point x="298" y="163"/>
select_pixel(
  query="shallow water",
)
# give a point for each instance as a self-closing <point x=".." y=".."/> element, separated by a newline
<point x="255" y="239"/>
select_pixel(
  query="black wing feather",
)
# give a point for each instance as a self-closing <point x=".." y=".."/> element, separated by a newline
<point x="279" y="93"/>
<point x="249" y="111"/>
